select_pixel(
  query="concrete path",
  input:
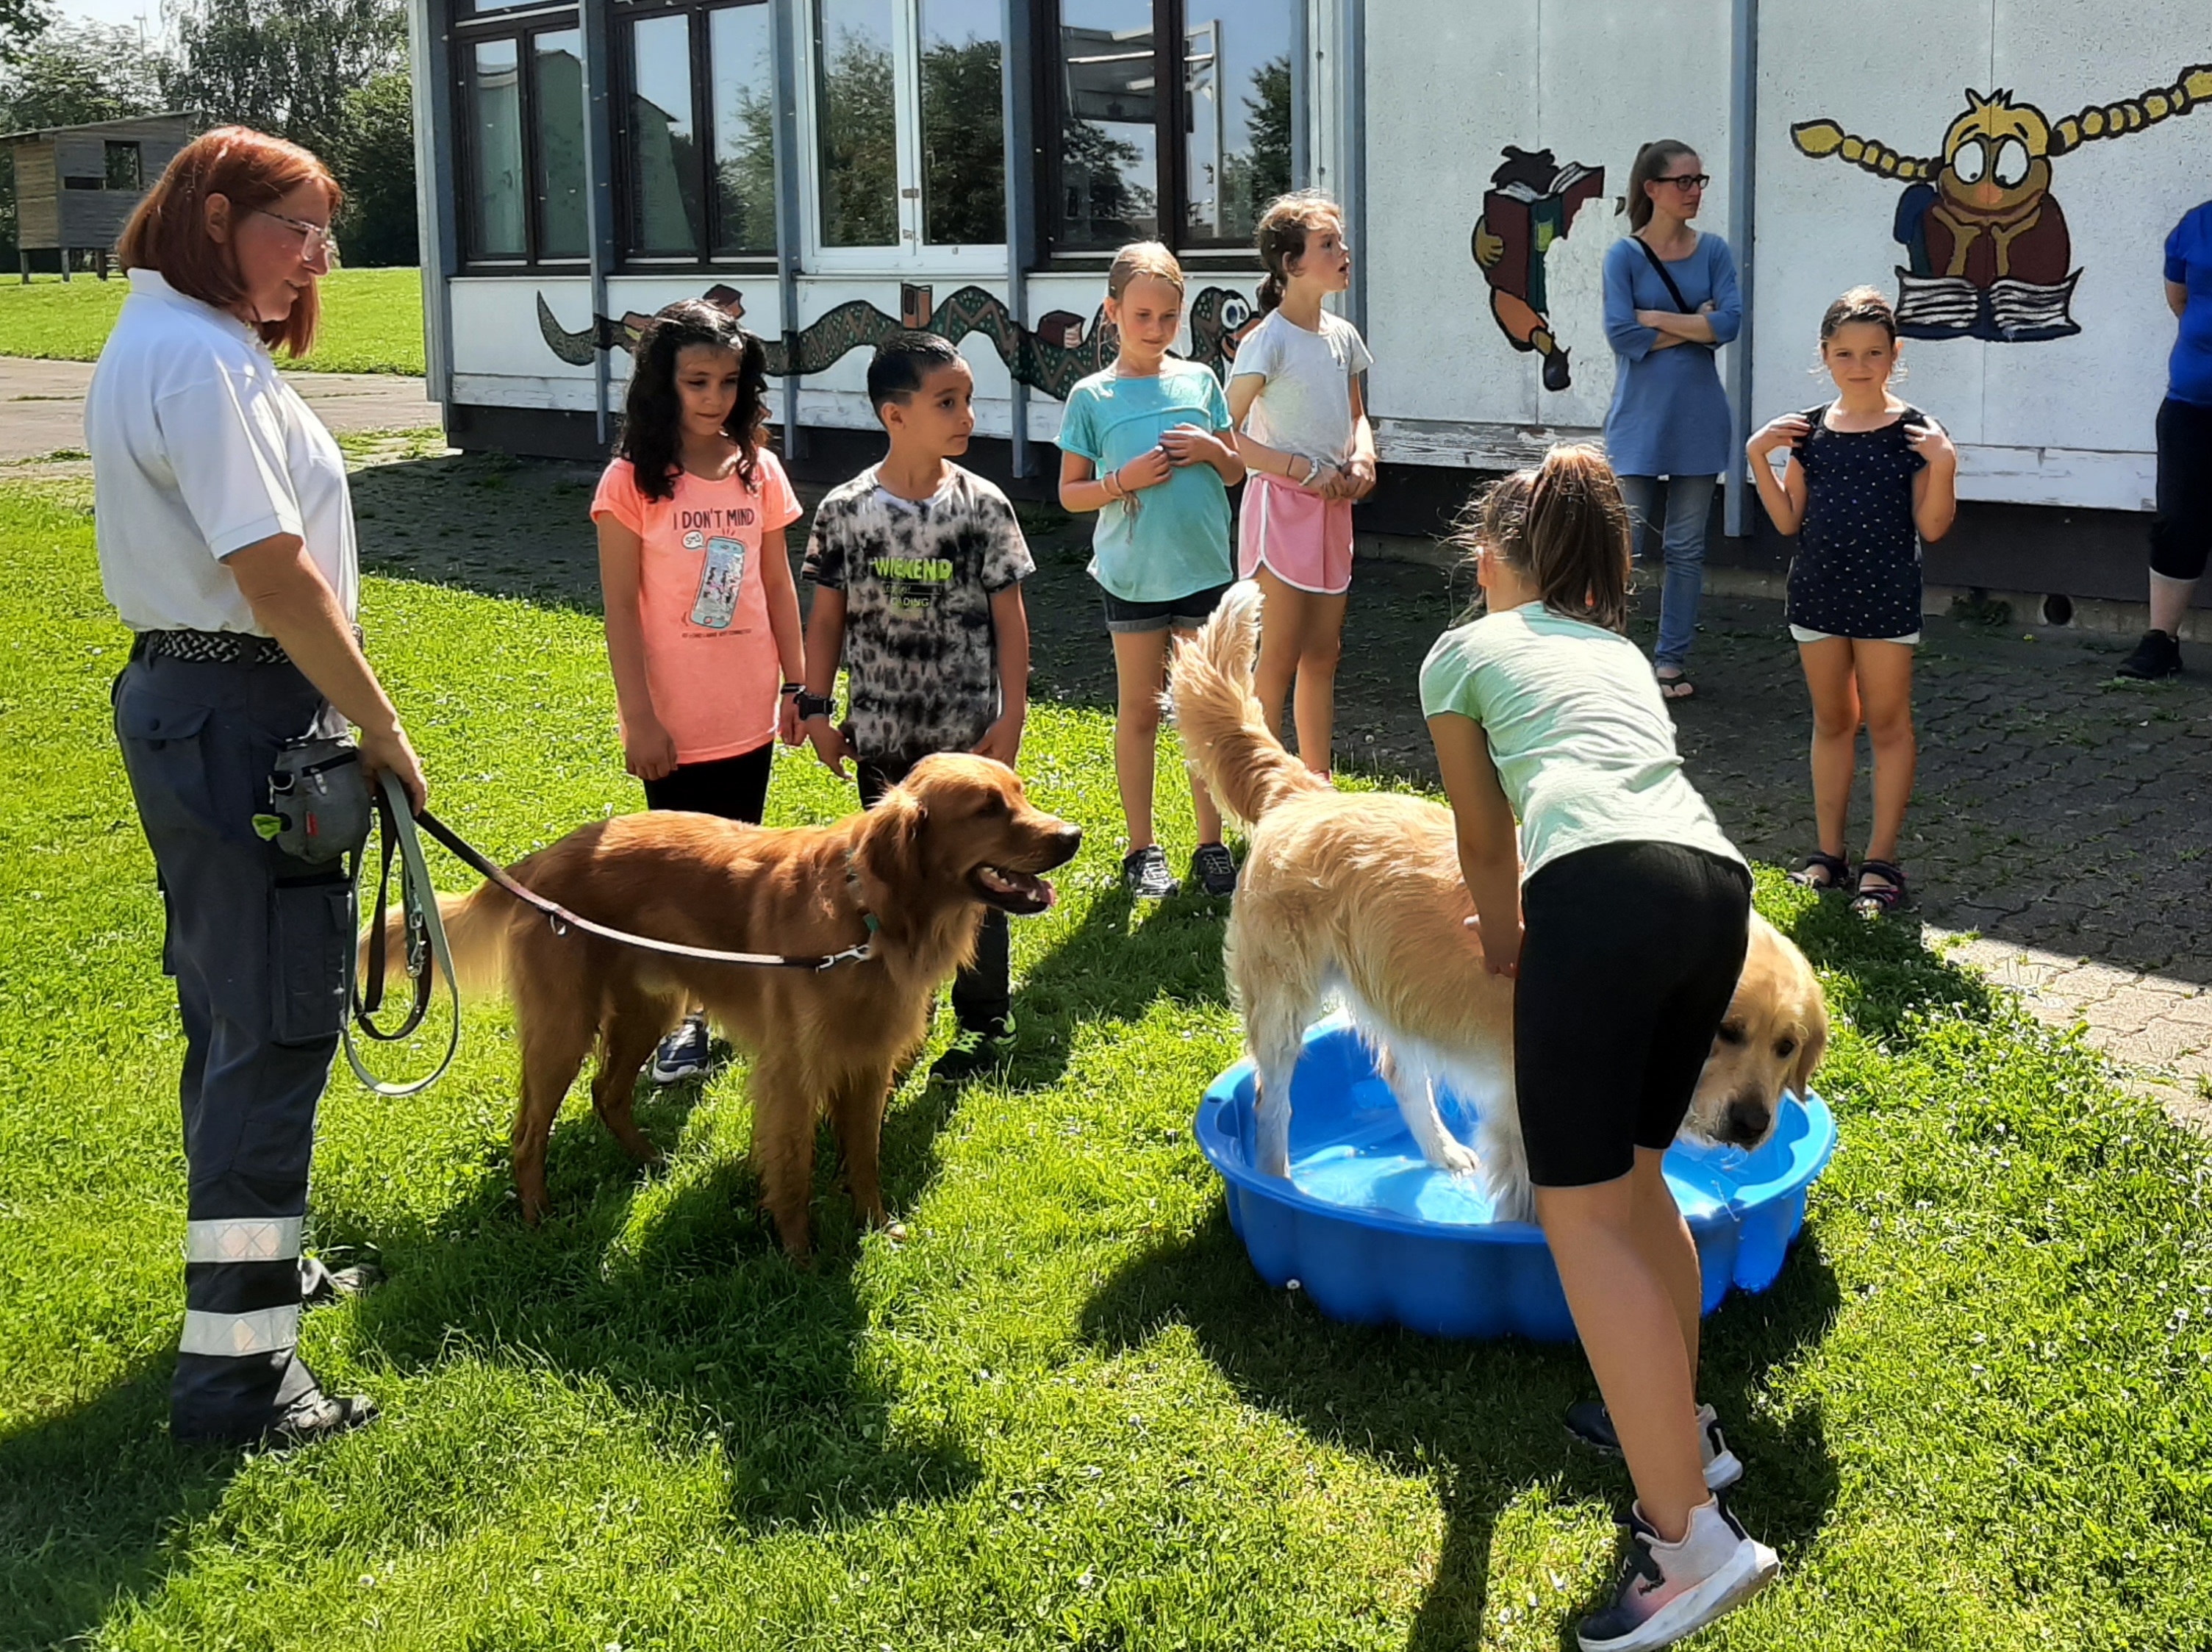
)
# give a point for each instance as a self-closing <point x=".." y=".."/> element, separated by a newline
<point x="42" y="403"/>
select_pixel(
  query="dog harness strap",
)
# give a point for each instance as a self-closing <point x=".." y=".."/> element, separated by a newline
<point x="256" y="1239"/>
<point x="235" y="1336"/>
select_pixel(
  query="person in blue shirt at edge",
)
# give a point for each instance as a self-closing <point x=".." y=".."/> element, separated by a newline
<point x="2181" y="531"/>
<point x="1670" y="302"/>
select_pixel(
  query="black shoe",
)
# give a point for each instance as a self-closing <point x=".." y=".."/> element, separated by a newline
<point x="314" y="1416"/>
<point x="1215" y="870"/>
<point x="1145" y="872"/>
<point x="2156" y="656"/>
<point x="973" y="1050"/>
<point x="1590" y="1422"/>
<point x="320" y="1286"/>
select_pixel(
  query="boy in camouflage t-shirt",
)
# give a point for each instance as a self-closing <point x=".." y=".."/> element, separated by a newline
<point x="917" y="567"/>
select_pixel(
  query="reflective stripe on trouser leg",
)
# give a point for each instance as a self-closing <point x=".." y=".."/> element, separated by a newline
<point x="234" y="1336"/>
<point x="243" y="1239"/>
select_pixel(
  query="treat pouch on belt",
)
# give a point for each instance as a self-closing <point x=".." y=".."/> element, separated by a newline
<point x="259" y="933"/>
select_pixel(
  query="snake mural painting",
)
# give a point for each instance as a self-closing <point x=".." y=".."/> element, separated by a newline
<point x="1061" y="349"/>
<point x="1988" y="254"/>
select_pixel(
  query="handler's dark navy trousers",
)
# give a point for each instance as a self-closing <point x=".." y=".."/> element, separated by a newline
<point x="256" y="942"/>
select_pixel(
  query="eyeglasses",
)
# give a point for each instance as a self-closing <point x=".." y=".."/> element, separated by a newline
<point x="314" y="238"/>
<point x="1688" y="180"/>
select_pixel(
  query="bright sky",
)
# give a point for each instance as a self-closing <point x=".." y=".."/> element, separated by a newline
<point x="111" y="12"/>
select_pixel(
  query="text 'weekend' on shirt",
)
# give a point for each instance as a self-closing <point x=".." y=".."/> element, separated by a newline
<point x="1582" y="743"/>
<point x="1166" y="542"/>
<point x="710" y="656"/>
<point x="918" y="577"/>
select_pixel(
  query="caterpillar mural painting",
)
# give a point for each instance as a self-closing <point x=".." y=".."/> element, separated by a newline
<point x="1052" y="356"/>
<point x="1988" y="254"/>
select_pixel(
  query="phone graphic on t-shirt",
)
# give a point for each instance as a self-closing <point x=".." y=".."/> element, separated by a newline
<point x="724" y="571"/>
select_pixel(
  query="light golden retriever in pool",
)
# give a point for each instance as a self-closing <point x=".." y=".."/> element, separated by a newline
<point x="1359" y="895"/>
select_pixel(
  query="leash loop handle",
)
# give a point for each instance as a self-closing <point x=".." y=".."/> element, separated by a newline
<point x="419" y="900"/>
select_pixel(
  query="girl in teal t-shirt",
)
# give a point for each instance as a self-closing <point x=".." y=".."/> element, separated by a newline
<point x="1147" y="444"/>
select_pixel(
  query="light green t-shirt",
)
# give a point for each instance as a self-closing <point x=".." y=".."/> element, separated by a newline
<point x="1581" y="738"/>
<point x="1169" y="541"/>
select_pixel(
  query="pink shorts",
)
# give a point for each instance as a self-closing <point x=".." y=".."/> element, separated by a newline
<point x="1303" y="540"/>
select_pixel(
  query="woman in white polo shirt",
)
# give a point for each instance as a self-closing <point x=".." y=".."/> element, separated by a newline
<point x="227" y="544"/>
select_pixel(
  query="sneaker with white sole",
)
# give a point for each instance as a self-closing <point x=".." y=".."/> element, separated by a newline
<point x="1215" y="868"/>
<point x="976" y="1050"/>
<point x="1589" y="1422"/>
<point x="1669" y="1590"/>
<point x="1145" y="873"/>
<point x="684" y="1053"/>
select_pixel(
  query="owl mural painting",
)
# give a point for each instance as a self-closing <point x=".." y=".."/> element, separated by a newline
<point x="1988" y="254"/>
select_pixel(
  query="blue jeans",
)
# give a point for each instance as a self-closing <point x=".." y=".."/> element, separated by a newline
<point x="1682" y="538"/>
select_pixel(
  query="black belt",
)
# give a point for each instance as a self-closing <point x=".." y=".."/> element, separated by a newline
<point x="211" y="648"/>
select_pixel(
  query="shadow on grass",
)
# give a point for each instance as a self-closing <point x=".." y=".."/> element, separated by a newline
<point x="1483" y="1418"/>
<point x="89" y="1501"/>
<point x="1879" y="973"/>
<point x="679" y="1299"/>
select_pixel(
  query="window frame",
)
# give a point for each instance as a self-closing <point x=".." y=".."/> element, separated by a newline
<point x="1170" y="143"/>
<point x="910" y="254"/>
<point x="521" y="25"/>
<point x="622" y="84"/>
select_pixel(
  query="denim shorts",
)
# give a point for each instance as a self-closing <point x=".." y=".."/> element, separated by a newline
<point x="1176" y="613"/>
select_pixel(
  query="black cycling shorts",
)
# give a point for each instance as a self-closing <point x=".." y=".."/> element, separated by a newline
<point x="1629" y="956"/>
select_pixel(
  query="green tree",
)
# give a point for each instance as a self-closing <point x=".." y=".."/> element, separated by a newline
<point x="289" y="67"/>
<point x="22" y="23"/>
<point x="70" y="74"/>
<point x="963" y="152"/>
<point x="372" y="155"/>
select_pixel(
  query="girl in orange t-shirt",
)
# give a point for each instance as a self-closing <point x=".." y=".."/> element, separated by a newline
<point x="702" y="614"/>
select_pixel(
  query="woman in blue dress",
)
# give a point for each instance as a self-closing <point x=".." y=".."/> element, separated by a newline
<point x="1670" y="302"/>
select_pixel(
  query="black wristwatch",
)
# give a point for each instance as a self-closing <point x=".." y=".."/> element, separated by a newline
<point x="816" y="705"/>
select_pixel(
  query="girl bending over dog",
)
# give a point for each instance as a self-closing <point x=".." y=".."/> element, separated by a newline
<point x="1623" y="913"/>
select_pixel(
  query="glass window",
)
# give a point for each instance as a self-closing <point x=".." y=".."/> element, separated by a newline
<point x="557" y="119"/>
<point x="495" y="99"/>
<point x="963" y="152"/>
<point x="1108" y="188"/>
<point x="1236" y="115"/>
<point x="857" y="111"/>
<point x="745" y="129"/>
<point x="664" y="154"/>
<point x="484" y="6"/>
<point x="124" y="168"/>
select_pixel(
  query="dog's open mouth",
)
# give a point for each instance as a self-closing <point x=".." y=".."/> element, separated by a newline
<point x="1023" y="893"/>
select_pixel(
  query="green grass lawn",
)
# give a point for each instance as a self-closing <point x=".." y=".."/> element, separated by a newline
<point x="372" y="319"/>
<point x="1977" y="1408"/>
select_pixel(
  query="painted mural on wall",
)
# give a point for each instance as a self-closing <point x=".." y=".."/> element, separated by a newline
<point x="1988" y="254"/>
<point x="1531" y="201"/>
<point x="1052" y="356"/>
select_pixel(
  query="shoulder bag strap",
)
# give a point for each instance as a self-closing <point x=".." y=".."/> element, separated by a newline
<point x="1659" y="264"/>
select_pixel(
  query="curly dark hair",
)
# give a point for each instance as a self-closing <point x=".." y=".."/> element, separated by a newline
<point x="651" y="438"/>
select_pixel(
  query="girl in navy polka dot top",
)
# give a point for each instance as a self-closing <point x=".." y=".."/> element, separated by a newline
<point x="1868" y="479"/>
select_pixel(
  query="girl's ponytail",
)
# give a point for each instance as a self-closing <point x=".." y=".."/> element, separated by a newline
<point x="1281" y="236"/>
<point x="1565" y="526"/>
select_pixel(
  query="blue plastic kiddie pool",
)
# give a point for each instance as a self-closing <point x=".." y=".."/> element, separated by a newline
<point x="1376" y="1237"/>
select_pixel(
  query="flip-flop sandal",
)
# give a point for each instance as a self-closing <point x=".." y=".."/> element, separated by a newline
<point x="1838" y="870"/>
<point x="1879" y="900"/>
<point x="1677" y="688"/>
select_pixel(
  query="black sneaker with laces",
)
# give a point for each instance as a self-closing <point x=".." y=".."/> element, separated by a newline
<point x="320" y="1286"/>
<point x="1669" y="1590"/>
<point x="313" y="1416"/>
<point x="1145" y="872"/>
<point x="1215" y="870"/>
<point x="1589" y="1422"/>
<point x="2156" y="656"/>
<point x="973" y="1050"/>
<point x="684" y="1053"/>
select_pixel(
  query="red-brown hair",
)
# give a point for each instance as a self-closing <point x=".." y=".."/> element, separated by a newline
<point x="168" y="232"/>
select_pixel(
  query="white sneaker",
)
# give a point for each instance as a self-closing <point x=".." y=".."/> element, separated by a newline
<point x="684" y="1053"/>
<point x="1668" y="1590"/>
<point x="1589" y="1422"/>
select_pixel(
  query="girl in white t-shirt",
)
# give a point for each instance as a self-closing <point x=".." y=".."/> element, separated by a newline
<point x="1303" y="432"/>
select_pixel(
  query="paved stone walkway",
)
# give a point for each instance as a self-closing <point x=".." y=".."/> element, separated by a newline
<point x="2064" y="820"/>
<point x="42" y="403"/>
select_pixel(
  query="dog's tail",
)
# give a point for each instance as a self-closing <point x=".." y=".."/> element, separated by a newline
<point x="1224" y="731"/>
<point x="476" y="927"/>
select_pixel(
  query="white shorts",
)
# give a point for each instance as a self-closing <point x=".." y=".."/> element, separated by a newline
<point x="1800" y="634"/>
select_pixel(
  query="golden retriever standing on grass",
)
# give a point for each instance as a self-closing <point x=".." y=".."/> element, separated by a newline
<point x="911" y="877"/>
<point x="1359" y="895"/>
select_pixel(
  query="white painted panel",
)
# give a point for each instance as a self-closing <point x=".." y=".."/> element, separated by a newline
<point x="496" y="328"/>
<point x="1825" y="226"/>
<point x="568" y="395"/>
